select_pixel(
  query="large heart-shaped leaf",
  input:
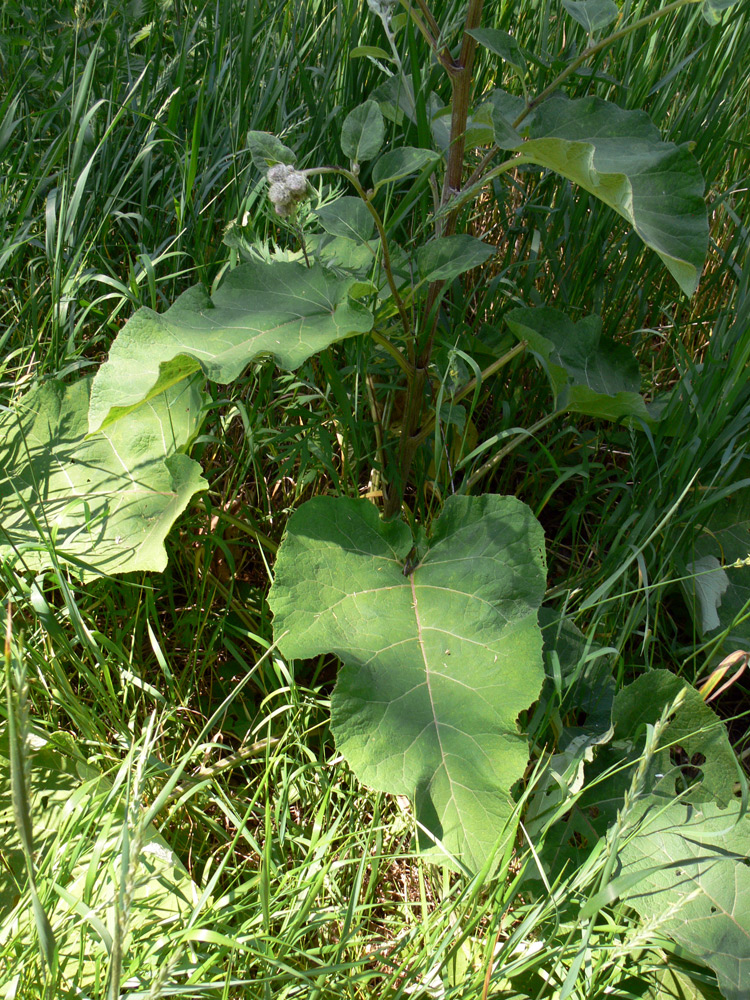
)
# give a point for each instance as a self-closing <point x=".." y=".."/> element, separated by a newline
<point x="588" y="373"/>
<point x="619" y="157"/>
<point x="106" y="502"/>
<point x="438" y="657"/>
<point x="280" y="308"/>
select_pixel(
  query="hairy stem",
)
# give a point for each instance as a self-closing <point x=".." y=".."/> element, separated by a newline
<point x="387" y="267"/>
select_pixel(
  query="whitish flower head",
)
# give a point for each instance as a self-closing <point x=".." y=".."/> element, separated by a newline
<point x="278" y="193"/>
<point x="279" y="172"/>
<point x="382" y="8"/>
<point x="288" y="187"/>
<point x="297" y="183"/>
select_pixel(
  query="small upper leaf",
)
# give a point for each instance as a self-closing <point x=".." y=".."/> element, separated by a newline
<point x="503" y="45"/>
<point x="363" y="132"/>
<point x="438" y="659"/>
<point x="266" y="150"/>
<point x="401" y="162"/>
<point x="349" y="217"/>
<point x="588" y="374"/>
<point x="280" y="308"/>
<point x="444" y="258"/>
<point x="592" y="14"/>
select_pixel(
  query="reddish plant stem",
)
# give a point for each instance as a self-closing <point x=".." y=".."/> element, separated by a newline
<point x="461" y="74"/>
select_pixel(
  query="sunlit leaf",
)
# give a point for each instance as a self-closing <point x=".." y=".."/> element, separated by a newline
<point x="78" y="825"/>
<point x="281" y="309"/>
<point x="107" y="502"/>
<point x="438" y="657"/>
<point x="696" y="883"/>
<point x="620" y="158"/>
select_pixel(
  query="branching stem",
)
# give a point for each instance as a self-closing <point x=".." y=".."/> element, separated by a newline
<point x="387" y="267"/>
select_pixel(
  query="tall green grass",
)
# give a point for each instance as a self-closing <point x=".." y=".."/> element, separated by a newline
<point x="122" y="162"/>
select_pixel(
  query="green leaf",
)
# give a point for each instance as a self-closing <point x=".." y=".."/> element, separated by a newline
<point x="588" y="373"/>
<point x="708" y="583"/>
<point x="719" y="599"/>
<point x="696" y="883"/>
<point x="503" y="45"/>
<point x="348" y="217"/>
<point x="705" y="768"/>
<point x="713" y="9"/>
<point x="371" y="51"/>
<point x="106" y="502"/>
<point x="438" y="660"/>
<point x="266" y="150"/>
<point x="592" y="14"/>
<point x="672" y="984"/>
<point x="352" y="256"/>
<point x="694" y="727"/>
<point x="503" y="134"/>
<point x="401" y="162"/>
<point x="444" y="258"/>
<point x="363" y="132"/>
<point x="620" y="158"/>
<point x="283" y="309"/>
<point x="684" y="861"/>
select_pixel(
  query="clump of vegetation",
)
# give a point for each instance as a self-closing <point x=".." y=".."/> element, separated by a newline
<point x="368" y="586"/>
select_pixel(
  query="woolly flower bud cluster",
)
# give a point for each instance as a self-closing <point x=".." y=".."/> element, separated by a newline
<point x="288" y="188"/>
<point x="383" y="8"/>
